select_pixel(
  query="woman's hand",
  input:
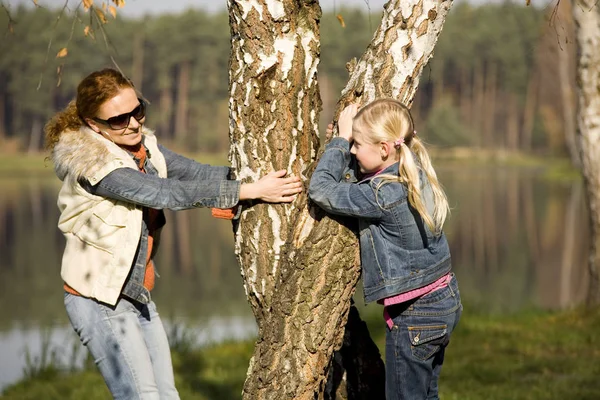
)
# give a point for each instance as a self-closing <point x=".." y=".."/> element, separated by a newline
<point x="272" y="188"/>
<point x="345" y="121"/>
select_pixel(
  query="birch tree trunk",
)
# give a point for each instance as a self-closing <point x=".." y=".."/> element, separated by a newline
<point x="299" y="266"/>
<point x="586" y="15"/>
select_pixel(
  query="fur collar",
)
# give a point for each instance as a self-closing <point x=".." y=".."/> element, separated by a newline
<point x="83" y="152"/>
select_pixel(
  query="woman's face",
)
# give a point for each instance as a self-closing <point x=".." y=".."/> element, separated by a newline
<point x="120" y="119"/>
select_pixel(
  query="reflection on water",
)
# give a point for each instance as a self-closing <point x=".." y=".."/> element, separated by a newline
<point x="517" y="240"/>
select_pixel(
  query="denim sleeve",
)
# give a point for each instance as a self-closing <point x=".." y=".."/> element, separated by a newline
<point x="328" y="189"/>
<point x="129" y="185"/>
<point x="185" y="169"/>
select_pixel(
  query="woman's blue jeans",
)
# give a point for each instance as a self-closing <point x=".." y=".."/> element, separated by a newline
<point x="415" y="346"/>
<point x="129" y="345"/>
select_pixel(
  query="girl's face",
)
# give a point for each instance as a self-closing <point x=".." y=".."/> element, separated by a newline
<point x="370" y="157"/>
<point x="120" y="119"/>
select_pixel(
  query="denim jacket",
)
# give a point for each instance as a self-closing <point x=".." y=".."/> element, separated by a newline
<point x="101" y="203"/>
<point x="119" y="185"/>
<point x="398" y="252"/>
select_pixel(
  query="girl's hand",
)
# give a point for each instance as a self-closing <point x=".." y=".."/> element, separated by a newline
<point x="345" y="121"/>
<point x="272" y="188"/>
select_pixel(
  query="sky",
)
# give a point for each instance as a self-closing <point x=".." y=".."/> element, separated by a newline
<point x="135" y="8"/>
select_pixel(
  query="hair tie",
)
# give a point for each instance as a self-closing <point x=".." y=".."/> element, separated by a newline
<point x="398" y="143"/>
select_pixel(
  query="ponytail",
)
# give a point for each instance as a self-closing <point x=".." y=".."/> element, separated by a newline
<point x="440" y="201"/>
<point x="388" y="120"/>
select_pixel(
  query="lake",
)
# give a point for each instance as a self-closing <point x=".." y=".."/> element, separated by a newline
<point x="518" y="239"/>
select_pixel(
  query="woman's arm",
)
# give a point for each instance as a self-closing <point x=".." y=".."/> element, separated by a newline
<point x="127" y="184"/>
<point x="186" y="169"/>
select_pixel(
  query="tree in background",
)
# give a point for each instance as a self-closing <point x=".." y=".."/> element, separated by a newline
<point x="478" y="91"/>
<point x="586" y="15"/>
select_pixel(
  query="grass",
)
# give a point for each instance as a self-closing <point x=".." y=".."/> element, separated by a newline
<point x="530" y="355"/>
<point x="24" y="164"/>
<point x="533" y="355"/>
<point x="552" y="167"/>
<point x="211" y="373"/>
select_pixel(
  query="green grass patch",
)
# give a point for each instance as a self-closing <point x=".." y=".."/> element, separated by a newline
<point x="555" y="168"/>
<point x="24" y="164"/>
<point x="529" y="355"/>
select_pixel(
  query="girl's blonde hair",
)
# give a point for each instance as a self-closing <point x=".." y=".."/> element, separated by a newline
<point x="388" y="120"/>
<point x="93" y="91"/>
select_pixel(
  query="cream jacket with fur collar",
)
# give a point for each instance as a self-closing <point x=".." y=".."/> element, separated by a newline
<point x="101" y="234"/>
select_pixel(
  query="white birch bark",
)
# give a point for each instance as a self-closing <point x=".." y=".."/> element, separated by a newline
<point x="274" y="106"/>
<point x="586" y="15"/>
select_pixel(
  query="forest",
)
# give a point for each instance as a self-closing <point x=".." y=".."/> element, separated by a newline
<point x="505" y="83"/>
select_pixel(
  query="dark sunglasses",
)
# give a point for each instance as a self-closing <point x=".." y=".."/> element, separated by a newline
<point x="122" y="121"/>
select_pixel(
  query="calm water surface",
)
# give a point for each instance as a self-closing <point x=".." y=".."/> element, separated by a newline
<point x="518" y="241"/>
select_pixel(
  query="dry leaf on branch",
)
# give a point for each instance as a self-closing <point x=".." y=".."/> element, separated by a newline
<point x="100" y="15"/>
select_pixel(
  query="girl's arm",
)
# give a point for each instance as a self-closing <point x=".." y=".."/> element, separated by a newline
<point x="328" y="189"/>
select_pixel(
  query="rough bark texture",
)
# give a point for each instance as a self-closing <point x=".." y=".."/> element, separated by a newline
<point x="586" y="15"/>
<point x="274" y="103"/>
<point x="300" y="267"/>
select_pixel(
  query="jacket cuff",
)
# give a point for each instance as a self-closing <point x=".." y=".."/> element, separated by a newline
<point x="338" y="143"/>
<point x="229" y="194"/>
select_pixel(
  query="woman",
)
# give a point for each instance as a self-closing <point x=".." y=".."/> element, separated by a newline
<point x="116" y="181"/>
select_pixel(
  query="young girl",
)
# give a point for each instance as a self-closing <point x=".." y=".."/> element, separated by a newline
<point x="401" y="209"/>
<point x="116" y="181"/>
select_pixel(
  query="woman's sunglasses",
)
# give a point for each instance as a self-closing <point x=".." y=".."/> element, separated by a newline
<point x="122" y="121"/>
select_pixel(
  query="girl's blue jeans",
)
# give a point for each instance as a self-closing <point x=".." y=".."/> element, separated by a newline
<point x="415" y="346"/>
<point x="129" y="345"/>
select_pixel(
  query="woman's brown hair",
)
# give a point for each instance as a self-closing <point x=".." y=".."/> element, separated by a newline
<point x="93" y="91"/>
